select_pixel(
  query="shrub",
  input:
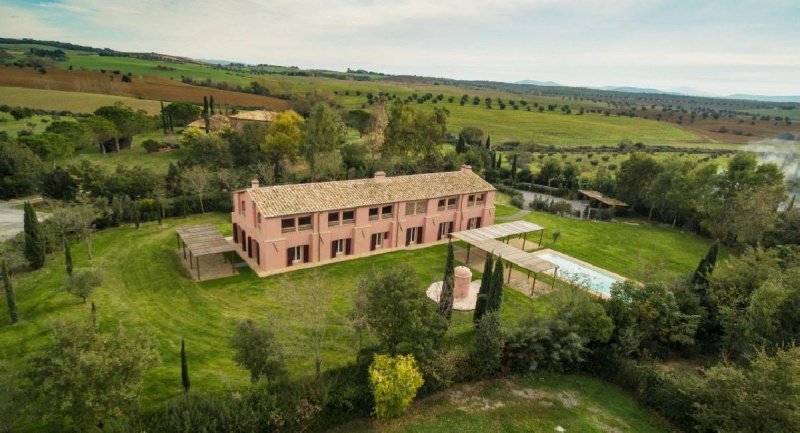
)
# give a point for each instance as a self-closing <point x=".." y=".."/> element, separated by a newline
<point x="489" y="341"/>
<point x="394" y="382"/>
<point x="151" y="145"/>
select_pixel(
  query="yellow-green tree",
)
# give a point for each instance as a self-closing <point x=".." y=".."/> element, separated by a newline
<point x="283" y="140"/>
<point x="394" y="381"/>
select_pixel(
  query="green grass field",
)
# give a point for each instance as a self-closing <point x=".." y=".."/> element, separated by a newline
<point x="145" y="287"/>
<point x="136" y="155"/>
<point x="539" y="403"/>
<point x="76" y="102"/>
<point x="634" y="250"/>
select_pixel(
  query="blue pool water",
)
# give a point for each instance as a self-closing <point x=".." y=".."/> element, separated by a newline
<point x="569" y="270"/>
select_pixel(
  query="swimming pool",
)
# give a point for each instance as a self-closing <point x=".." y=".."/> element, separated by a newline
<point x="574" y="271"/>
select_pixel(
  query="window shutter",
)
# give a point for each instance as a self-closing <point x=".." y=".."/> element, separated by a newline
<point x="348" y="246"/>
<point x="479" y="223"/>
<point x="244" y="240"/>
<point x="419" y="235"/>
<point x="441" y="229"/>
<point x="235" y="233"/>
<point x="250" y="247"/>
<point x="408" y="237"/>
<point x="372" y="241"/>
<point x="289" y="256"/>
<point x="258" y="253"/>
<point x="333" y="249"/>
<point x="306" y="257"/>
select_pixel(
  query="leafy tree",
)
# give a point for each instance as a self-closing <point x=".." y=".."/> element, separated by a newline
<point x="544" y="343"/>
<point x="210" y="150"/>
<point x="34" y="238"/>
<point x="489" y="342"/>
<point x="771" y="318"/>
<point x="394" y="381"/>
<point x="11" y="299"/>
<point x="128" y="122"/>
<point x="49" y="146"/>
<point x="324" y="132"/>
<point x="635" y="178"/>
<point x="556" y="236"/>
<point x="20" y="170"/>
<point x="256" y="348"/>
<point x="197" y="180"/>
<point x="472" y="135"/>
<point x="762" y="397"/>
<point x="245" y="145"/>
<point x="85" y="378"/>
<point x="359" y="120"/>
<point x="706" y="266"/>
<point x="83" y="282"/>
<point x="284" y="137"/>
<point x="448" y="285"/>
<point x="496" y="292"/>
<point x="651" y="315"/>
<point x="182" y="113"/>
<point x="76" y="132"/>
<point x="550" y="171"/>
<point x="484" y="291"/>
<point x="101" y="131"/>
<point x="58" y="184"/>
<point x="184" y="368"/>
<point x="354" y="157"/>
<point x="413" y="132"/>
<point x="400" y="315"/>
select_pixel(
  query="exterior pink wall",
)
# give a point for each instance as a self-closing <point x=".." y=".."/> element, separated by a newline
<point x="272" y="243"/>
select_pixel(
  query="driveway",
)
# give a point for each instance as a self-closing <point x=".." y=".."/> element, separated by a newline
<point x="577" y="205"/>
<point x="11" y="218"/>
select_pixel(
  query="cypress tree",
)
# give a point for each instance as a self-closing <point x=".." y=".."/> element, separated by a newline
<point x="205" y="114"/>
<point x="135" y="211"/>
<point x="211" y="104"/>
<point x="184" y="369"/>
<point x="514" y="170"/>
<point x="499" y="160"/>
<point x="488" y="141"/>
<point x="67" y="256"/>
<point x="461" y="146"/>
<point x="483" y="292"/>
<point x="448" y="283"/>
<point x="163" y="118"/>
<point x="34" y="238"/>
<point x="11" y="300"/>
<point x="496" y="292"/>
<point x="94" y="315"/>
<point x="706" y="266"/>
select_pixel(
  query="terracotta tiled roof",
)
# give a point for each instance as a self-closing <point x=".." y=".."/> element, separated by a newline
<point x="259" y="115"/>
<point x="294" y="199"/>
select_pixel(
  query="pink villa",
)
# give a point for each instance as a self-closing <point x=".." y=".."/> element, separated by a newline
<point x="287" y="226"/>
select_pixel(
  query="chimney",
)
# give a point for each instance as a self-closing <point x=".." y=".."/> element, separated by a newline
<point x="466" y="168"/>
<point x="254" y="183"/>
<point x="380" y="177"/>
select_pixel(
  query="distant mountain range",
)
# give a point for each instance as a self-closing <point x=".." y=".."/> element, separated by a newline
<point x="683" y="91"/>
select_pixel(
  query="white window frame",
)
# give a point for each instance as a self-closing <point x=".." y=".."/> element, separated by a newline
<point x="298" y="254"/>
<point x="443" y="229"/>
<point x="378" y="240"/>
<point x="339" y="247"/>
<point x="413" y="240"/>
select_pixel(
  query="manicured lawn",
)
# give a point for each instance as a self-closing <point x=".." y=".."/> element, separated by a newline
<point x="146" y="289"/>
<point x="536" y="403"/>
<point x="136" y="155"/>
<point x="633" y="250"/>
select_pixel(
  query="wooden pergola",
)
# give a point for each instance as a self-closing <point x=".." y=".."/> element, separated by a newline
<point x="486" y="239"/>
<point x="202" y="240"/>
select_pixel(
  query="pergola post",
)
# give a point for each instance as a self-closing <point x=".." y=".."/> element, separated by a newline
<point x="533" y="285"/>
<point x="468" y="247"/>
<point x="184" y="250"/>
<point x="510" y="267"/>
<point x="191" y="260"/>
<point x="178" y="238"/>
<point x="524" y="238"/>
<point x="541" y="237"/>
<point x="198" y="267"/>
<point x="555" y="272"/>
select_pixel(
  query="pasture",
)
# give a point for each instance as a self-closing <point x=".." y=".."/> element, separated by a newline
<point x="76" y="102"/>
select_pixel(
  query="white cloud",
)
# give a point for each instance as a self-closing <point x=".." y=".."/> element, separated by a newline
<point x="740" y="48"/>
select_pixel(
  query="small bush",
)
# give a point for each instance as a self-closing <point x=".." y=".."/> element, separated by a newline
<point x="151" y="145"/>
<point x="394" y="382"/>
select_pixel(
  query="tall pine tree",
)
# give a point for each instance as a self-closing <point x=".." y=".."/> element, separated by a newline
<point x="496" y="292"/>
<point x="488" y="141"/>
<point x="448" y="285"/>
<point x="206" y="117"/>
<point x="461" y="145"/>
<point x="67" y="256"/>
<point x="184" y="368"/>
<point x="211" y="104"/>
<point x="514" y="170"/>
<point x="34" y="238"/>
<point x="706" y="266"/>
<point x="11" y="300"/>
<point x="483" y="292"/>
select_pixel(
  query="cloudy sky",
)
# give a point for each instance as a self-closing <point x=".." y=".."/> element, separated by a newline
<point x="721" y="47"/>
